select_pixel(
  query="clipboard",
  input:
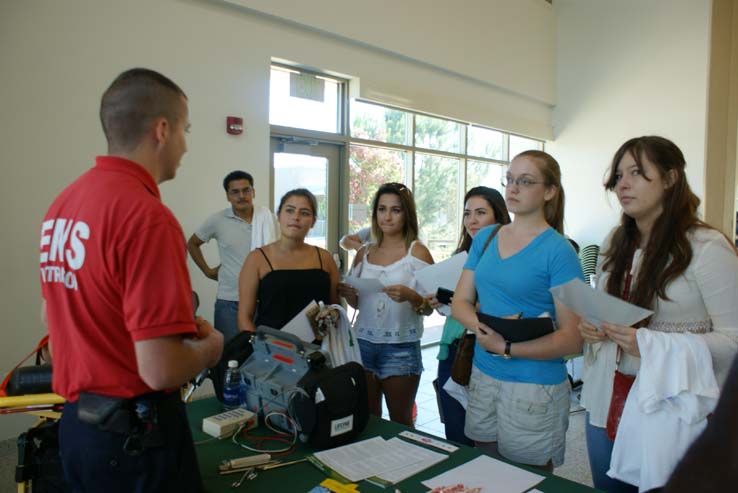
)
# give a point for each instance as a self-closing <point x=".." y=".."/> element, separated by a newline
<point x="518" y="330"/>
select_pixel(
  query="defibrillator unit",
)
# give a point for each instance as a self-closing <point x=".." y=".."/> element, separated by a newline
<point x="286" y="374"/>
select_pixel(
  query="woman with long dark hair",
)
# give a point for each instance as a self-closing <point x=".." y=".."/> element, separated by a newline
<point x="483" y="206"/>
<point x="389" y="325"/>
<point x="664" y="258"/>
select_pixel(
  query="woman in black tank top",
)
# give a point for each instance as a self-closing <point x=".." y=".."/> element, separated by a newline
<point x="280" y="279"/>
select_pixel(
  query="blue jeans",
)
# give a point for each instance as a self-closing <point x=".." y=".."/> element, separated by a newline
<point x="599" y="448"/>
<point x="453" y="413"/>
<point x="226" y="318"/>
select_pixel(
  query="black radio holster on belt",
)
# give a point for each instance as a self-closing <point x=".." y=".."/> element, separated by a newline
<point x="137" y="418"/>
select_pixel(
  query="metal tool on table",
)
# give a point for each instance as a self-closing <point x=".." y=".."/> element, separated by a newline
<point x="242" y="463"/>
<point x="248" y="475"/>
<point x="277" y="464"/>
<point x="225" y="469"/>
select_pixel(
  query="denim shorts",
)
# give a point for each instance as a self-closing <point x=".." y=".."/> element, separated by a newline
<point x="391" y="360"/>
<point x="527" y="420"/>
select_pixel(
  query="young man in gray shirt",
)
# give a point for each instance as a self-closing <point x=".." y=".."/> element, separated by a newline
<point x="237" y="229"/>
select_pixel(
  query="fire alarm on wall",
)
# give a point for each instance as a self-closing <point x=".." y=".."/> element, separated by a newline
<point x="234" y="125"/>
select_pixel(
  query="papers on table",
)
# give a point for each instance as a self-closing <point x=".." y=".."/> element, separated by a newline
<point x="390" y="460"/>
<point x="596" y="306"/>
<point x="491" y="475"/>
<point x="364" y="286"/>
<point x="300" y="323"/>
<point x="442" y="275"/>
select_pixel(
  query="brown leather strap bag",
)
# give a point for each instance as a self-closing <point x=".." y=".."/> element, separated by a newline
<point x="462" y="365"/>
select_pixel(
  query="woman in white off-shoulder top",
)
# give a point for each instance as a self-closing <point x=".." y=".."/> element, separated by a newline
<point x="389" y="325"/>
<point x="660" y="257"/>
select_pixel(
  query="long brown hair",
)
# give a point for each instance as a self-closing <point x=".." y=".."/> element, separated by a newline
<point x="668" y="252"/>
<point x="553" y="210"/>
<point x="410" y="226"/>
<point x="496" y="203"/>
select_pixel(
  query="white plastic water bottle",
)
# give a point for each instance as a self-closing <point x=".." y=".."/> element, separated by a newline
<point x="242" y="401"/>
<point x="232" y="386"/>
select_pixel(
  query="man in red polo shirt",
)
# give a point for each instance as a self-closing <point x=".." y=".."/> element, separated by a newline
<point x="119" y="302"/>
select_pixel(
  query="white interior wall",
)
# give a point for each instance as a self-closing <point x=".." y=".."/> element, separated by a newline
<point x="625" y="69"/>
<point x="498" y="42"/>
<point x="58" y="57"/>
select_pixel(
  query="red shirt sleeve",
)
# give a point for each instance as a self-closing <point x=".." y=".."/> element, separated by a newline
<point x="157" y="294"/>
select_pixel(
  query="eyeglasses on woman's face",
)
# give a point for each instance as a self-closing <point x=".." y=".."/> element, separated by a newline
<point x="522" y="181"/>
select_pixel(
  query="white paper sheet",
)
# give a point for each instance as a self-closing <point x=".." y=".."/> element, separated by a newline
<point x="364" y="286"/>
<point x="444" y="310"/>
<point x="458" y="392"/>
<point x="393" y="460"/>
<point x="423" y="458"/>
<point x="300" y="324"/>
<point x="442" y="275"/>
<point x="596" y="306"/>
<point x="491" y="475"/>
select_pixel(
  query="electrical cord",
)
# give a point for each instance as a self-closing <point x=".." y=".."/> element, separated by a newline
<point x="279" y="436"/>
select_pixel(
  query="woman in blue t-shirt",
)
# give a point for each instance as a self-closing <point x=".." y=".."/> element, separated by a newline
<point x="519" y="393"/>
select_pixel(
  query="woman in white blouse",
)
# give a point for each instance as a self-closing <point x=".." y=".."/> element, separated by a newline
<point x="389" y="325"/>
<point x="660" y="257"/>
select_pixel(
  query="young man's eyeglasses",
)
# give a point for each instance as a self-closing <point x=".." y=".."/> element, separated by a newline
<point x="521" y="181"/>
<point x="235" y="192"/>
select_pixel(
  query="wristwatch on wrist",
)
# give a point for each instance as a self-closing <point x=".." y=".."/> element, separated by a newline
<point x="507" y="354"/>
<point x="422" y="307"/>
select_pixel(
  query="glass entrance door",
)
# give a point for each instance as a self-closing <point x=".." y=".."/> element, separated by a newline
<point x="315" y="166"/>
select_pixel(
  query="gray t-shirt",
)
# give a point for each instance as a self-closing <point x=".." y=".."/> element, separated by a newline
<point x="233" y="235"/>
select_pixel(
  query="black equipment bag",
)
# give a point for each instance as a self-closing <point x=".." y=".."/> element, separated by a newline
<point x="39" y="461"/>
<point x="30" y="380"/>
<point x="239" y="348"/>
<point x="330" y="405"/>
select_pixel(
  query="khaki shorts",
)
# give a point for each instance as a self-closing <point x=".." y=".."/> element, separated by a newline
<point x="528" y="421"/>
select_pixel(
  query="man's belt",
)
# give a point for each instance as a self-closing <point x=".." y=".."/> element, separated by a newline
<point x="137" y="417"/>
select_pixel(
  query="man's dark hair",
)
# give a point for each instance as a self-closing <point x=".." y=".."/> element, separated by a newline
<point x="237" y="175"/>
<point x="134" y="99"/>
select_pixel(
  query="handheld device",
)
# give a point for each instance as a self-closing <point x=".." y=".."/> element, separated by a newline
<point x="444" y="296"/>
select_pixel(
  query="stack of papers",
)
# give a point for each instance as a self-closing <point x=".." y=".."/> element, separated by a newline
<point x="390" y="460"/>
